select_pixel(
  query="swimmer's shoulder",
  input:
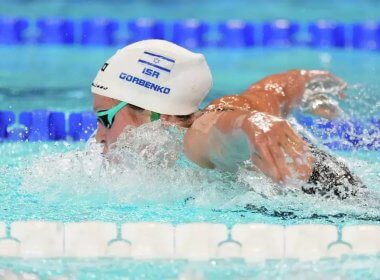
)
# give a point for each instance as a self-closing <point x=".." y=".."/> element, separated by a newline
<point x="229" y="103"/>
<point x="264" y="102"/>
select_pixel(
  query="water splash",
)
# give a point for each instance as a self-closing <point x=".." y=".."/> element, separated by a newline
<point x="147" y="166"/>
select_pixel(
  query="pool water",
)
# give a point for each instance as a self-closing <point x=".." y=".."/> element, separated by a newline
<point x="214" y="270"/>
<point x="37" y="183"/>
<point x="70" y="70"/>
<point x="260" y="10"/>
<point x="58" y="181"/>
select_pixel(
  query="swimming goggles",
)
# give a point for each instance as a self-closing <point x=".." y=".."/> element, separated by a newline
<point x="107" y="117"/>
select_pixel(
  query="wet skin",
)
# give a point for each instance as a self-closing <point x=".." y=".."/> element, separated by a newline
<point x="259" y="112"/>
<point x="126" y="116"/>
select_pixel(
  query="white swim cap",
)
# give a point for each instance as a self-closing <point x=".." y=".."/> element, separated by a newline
<point x="155" y="75"/>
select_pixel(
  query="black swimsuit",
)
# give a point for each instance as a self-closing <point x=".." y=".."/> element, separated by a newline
<point x="330" y="177"/>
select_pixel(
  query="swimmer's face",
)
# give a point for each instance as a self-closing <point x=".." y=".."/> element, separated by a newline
<point x="128" y="116"/>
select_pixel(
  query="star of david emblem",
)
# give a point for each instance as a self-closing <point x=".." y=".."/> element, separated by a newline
<point x="156" y="60"/>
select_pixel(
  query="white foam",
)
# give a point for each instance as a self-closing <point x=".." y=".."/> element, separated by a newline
<point x="153" y="169"/>
<point x="146" y="164"/>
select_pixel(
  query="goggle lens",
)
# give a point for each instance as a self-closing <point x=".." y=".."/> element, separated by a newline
<point x="104" y="120"/>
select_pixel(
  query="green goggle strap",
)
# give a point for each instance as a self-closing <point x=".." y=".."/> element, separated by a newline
<point x="154" y="116"/>
<point x="113" y="111"/>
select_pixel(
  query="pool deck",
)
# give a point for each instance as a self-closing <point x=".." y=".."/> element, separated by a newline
<point x="192" y="241"/>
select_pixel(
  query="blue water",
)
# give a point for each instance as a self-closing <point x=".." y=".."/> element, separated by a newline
<point x="28" y="193"/>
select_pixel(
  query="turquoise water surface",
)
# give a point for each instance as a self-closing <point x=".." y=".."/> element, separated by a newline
<point x="58" y="181"/>
<point x="301" y="10"/>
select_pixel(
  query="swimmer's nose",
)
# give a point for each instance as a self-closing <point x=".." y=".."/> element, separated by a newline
<point x="100" y="135"/>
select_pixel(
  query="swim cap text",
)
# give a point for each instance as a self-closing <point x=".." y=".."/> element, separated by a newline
<point x="144" y="83"/>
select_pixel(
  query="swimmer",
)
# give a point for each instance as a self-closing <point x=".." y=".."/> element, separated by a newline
<point x="155" y="79"/>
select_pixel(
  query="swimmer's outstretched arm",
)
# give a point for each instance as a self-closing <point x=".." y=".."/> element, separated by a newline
<point x="274" y="147"/>
<point x="279" y="94"/>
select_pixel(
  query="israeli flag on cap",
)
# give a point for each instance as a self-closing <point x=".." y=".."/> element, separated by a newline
<point x="159" y="62"/>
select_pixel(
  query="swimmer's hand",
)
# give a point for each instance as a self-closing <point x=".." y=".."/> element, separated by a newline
<point x="276" y="149"/>
<point x="322" y="90"/>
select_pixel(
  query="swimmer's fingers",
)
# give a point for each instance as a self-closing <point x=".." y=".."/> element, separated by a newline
<point x="330" y="83"/>
<point x="291" y="138"/>
<point x="264" y="160"/>
<point x="280" y="160"/>
<point x="334" y="79"/>
<point x="298" y="158"/>
<point x="264" y="168"/>
<point x="294" y="146"/>
<point x="290" y="149"/>
<point x="339" y="81"/>
<point x="339" y="85"/>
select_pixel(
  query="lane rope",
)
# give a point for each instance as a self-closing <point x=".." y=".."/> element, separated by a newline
<point x="44" y="125"/>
